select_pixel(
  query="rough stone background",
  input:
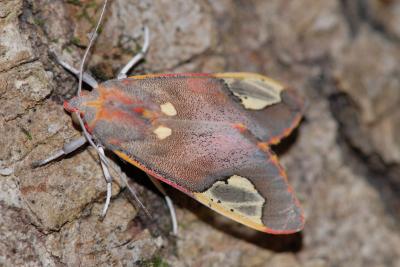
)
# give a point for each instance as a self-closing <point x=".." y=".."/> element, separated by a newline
<point x="344" y="160"/>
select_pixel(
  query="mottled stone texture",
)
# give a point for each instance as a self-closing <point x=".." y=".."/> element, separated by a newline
<point x="344" y="160"/>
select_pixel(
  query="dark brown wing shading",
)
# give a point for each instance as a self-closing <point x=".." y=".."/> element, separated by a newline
<point x="276" y="109"/>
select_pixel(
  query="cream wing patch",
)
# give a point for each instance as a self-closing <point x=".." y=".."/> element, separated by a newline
<point x="162" y="132"/>
<point x="251" y="102"/>
<point x="168" y="109"/>
<point x="255" y="93"/>
<point x="238" y="197"/>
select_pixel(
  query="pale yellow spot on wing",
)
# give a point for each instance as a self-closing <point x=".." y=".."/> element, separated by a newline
<point x="255" y="91"/>
<point x="242" y="182"/>
<point x="162" y="132"/>
<point x="250" y="76"/>
<point x="168" y="109"/>
<point x="225" y="207"/>
<point x="252" y="102"/>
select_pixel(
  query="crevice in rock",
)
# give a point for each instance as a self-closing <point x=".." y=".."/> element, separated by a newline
<point x="358" y="12"/>
<point x="351" y="13"/>
<point x="22" y="63"/>
<point x="357" y="149"/>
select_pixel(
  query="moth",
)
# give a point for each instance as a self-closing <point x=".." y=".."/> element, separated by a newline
<point x="208" y="135"/>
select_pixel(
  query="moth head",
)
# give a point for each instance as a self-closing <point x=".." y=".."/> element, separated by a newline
<point x="72" y="105"/>
<point x="76" y="105"/>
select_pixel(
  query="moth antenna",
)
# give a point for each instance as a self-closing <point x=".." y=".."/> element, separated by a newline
<point x="131" y="190"/>
<point x="133" y="193"/>
<point x="105" y="166"/>
<point x="92" y="38"/>
<point x="90" y="140"/>
<point x="81" y="74"/>
<point x="103" y="159"/>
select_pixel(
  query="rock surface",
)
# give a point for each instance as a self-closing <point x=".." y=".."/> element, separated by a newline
<point x="344" y="160"/>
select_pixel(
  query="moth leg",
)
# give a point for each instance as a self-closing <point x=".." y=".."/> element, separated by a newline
<point x="139" y="56"/>
<point x="67" y="149"/>
<point x="87" y="78"/>
<point x="169" y="202"/>
<point x="108" y="178"/>
<point x="105" y="167"/>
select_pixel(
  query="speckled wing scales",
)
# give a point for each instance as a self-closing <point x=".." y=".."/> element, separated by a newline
<point x="231" y="175"/>
<point x="206" y="136"/>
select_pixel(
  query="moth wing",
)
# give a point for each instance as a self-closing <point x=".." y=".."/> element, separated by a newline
<point x="225" y="171"/>
<point x="276" y="109"/>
